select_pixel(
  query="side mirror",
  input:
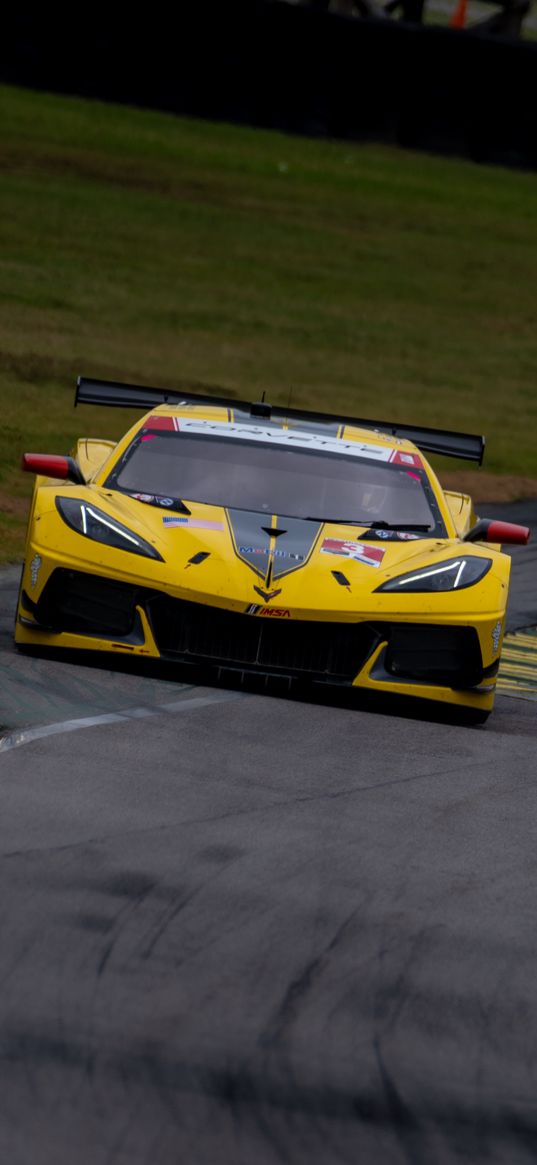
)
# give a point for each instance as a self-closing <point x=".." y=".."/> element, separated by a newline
<point x="51" y="465"/>
<point x="488" y="530"/>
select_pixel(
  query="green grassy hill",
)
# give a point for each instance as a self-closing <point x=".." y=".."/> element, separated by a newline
<point x="149" y="248"/>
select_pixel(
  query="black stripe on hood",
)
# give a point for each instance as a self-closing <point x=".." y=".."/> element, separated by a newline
<point x="272" y="555"/>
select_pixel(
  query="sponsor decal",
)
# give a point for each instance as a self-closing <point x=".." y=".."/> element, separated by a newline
<point x="496" y="635"/>
<point x="410" y="460"/>
<point x="391" y="535"/>
<point x="157" y="500"/>
<point x="271" y="553"/>
<point x="371" y="555"/>
<point x="274" y="612"/>
<point x="191" y="523"/>
<point x="35" y="567"/>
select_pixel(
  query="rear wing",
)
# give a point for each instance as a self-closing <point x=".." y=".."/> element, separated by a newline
<point x="467" y="446"/>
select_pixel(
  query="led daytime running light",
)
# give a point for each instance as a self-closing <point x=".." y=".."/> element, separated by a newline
<point x="454" y="574"/>
<point x="99" y="517"/>
<point x="99" y="527"/>
<point x="408" y="578"/>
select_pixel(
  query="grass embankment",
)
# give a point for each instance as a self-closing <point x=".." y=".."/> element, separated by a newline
<point x="143" y="247"/>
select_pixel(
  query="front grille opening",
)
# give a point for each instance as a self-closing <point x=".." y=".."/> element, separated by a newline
<point x="193" y="632"/>
<point x="449" y="656"/>
<point x="86" y="604"/>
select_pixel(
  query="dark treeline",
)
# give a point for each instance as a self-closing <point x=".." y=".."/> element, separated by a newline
<point x="267" y="63"/>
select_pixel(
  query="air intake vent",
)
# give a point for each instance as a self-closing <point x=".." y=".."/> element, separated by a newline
<point x="283" y="646"/>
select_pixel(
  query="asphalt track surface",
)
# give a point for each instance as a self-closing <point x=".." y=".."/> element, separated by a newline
<point x="243" y="928"/>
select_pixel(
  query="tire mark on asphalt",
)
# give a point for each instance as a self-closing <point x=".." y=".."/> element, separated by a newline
<point x="171" y="912"/>
<point x="501" y="1114"/>
<point x="389" y="1003"/>
<point x="299" y="988"/>
<point x="146" y="887"/>
<point x="400" y="1117"/>
<point x="120" y="919"/>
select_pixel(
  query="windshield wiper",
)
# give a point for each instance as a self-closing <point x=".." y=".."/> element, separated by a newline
<point x="380" y="525"/>
<point x="336" y="521"/>
<point x="399" y="526"/>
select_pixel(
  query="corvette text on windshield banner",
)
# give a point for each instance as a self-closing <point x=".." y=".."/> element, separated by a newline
<point x="290" y="438"/>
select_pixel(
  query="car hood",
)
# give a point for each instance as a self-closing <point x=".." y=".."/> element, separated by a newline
<point x="236" y="558"/>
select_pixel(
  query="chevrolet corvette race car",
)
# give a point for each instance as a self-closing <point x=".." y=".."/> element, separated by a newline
<point x="256" y="539"/>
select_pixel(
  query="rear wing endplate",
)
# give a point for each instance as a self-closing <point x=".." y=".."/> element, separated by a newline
<point x="467" y="446"/>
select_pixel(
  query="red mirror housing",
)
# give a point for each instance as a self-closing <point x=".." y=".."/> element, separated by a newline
<point x="489" y="530"/>
<point x="52" y="465"/>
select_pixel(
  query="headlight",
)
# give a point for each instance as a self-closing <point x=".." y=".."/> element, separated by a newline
<point x="86" y="519"/>
<point x="453" y="575"/>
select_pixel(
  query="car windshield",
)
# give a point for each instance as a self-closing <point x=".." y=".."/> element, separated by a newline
<point x="275" y="479"/>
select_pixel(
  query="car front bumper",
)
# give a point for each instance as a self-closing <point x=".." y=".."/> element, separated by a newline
<point x="432" y="659"/>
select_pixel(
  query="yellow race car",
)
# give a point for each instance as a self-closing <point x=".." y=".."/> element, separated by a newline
<point x="268" y="540"/>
